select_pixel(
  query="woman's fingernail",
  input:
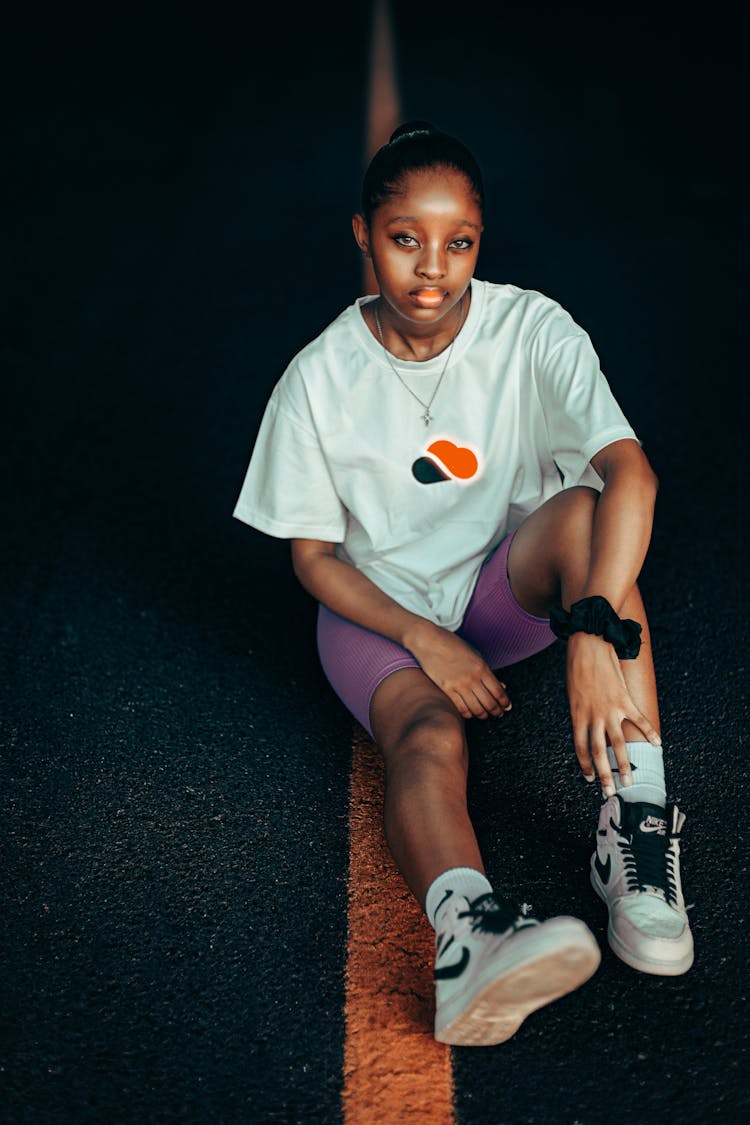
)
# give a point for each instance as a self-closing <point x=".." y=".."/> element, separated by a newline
<point x="656" y="740"/>
<point x="588" y="777"/>
<point x="626" y="778"/>
<point x="609" y="790"/>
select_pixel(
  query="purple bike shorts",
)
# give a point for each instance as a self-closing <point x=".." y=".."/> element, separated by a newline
<point x="356" y="660"/>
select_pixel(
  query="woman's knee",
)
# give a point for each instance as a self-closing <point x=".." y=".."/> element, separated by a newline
<point x="569" y="513"/>
<point x="548" y="543"/>
<point x="432" y="735"/>
<point x="581" y="501"/>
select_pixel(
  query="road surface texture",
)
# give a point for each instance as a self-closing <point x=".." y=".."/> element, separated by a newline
<point x="178" y="182"/>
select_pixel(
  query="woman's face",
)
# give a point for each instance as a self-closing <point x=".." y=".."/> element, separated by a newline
<point x="424" y="244"/>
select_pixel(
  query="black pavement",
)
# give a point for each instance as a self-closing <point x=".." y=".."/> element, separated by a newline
<point x="178" y="183"/>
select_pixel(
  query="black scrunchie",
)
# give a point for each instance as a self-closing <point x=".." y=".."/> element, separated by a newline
<point x="595" y="615"/>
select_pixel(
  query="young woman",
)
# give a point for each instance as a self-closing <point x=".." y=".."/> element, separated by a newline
<point x="460" y="487"/>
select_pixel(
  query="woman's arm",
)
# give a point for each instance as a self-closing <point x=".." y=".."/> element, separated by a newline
<point x="623" y="521"/>
<point x="449" y="662"/>
<point x="351" y="594"/>
<point x="600" y="698"/>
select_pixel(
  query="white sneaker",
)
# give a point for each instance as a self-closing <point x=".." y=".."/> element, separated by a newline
<point x="494" y="966"/>
<point x="636" y="870"/>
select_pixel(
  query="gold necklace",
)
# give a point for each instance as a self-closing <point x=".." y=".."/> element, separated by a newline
<point x="426" y="417"/>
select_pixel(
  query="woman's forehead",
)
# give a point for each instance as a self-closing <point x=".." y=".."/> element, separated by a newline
<point x="439" y="187"/>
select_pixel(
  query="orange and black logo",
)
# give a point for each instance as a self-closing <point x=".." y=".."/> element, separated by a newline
<point x="445" y="460"/>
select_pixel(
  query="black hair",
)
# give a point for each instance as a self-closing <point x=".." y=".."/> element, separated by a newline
<point x="414" y="146"/>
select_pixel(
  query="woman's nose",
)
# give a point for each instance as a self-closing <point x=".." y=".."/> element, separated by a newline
<point x="432" y="262"/>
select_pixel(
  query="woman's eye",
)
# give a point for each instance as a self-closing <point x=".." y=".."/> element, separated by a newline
<point x="462" y="243"/>
<point x="405" y="240"/>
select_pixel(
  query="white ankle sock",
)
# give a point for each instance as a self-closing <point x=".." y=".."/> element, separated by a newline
<point x="466" y="881"/>
<point x="648" y="774"/>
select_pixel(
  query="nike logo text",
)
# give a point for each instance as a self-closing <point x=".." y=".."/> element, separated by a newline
<point x="653" y="824"/>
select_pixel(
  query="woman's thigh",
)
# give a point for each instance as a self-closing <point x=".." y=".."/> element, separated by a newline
<point x="356" y="661"/>
<point x="506" y="618"/>
<point x="494" y="622"/>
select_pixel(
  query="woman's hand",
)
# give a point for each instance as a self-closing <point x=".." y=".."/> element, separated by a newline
<point x="599" y="704"/>
<point x="448" y="661"/>
<point x="459" y="671"/>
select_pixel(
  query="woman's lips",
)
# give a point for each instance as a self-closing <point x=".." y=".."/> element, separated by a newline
<point x="428" y="298"/>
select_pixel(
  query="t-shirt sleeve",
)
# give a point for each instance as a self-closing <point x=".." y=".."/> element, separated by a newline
<point x="287" y="491"/>
<point x="581" y="412"/>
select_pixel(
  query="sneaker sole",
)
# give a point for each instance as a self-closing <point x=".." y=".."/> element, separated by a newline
<point x="656" y="968"/>
<point x="547" y="965"/>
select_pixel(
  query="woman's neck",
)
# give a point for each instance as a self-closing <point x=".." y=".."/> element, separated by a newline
<point x="414" y="343"/>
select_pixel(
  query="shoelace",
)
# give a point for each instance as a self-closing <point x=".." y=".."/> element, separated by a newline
<point x="649" y="861"/>
<point x="492" y="917"/>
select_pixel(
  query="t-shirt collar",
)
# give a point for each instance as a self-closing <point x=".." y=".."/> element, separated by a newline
<point x="427" y="366"/>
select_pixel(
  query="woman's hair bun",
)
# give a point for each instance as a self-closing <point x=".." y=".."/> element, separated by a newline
<point x="415" y="147"/>
<point x="412" y="129"/>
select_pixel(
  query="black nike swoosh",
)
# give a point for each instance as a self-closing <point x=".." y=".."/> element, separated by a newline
<point x="450" y="972"/>
<point x="444" y="899"/>
<point x="604" y="869"/>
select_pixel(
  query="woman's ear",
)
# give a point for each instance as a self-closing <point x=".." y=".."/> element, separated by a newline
<point x="361" y="234"/>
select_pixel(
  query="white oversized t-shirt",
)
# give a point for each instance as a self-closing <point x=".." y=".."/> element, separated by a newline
<point x="343" y="454"/>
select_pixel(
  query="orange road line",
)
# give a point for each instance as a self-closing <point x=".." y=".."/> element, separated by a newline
<point x="394" y="1070"/>
<point x="383" y="106"/>
<point x="384" y="110"/>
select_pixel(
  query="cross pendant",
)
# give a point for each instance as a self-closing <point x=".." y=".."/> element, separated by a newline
<point x="427" y="417"/>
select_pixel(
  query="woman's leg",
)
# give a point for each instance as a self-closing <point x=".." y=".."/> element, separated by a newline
<point x="423" y="741"/>
<point x="422" y="738"/>
<point x="549" y="560"/>
<point x="492" y="966"/>
<point x="635" y="867"/>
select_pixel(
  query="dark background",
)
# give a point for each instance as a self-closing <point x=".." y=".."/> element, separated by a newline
<point x="177" y="186"/>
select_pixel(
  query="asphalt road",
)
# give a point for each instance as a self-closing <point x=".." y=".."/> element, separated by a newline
<point x="178" y="184"/>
